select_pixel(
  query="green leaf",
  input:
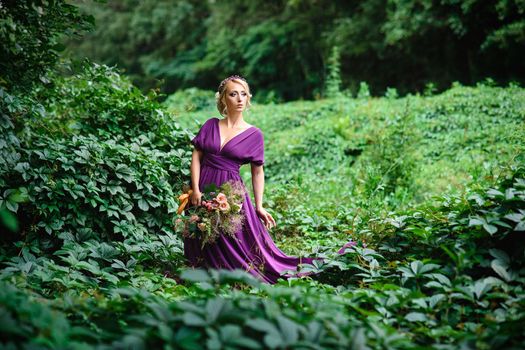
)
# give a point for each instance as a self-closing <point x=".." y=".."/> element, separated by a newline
<point x="476" y="221"/>
<point x="490" y="228"/>
<point x="13" y="206"/>
<point x="441" y="278"/>
<point x="435" y="299"/>
<point x="480" y="287"/>
<point x="9" y="220"/>
<point x="516" y="217"/>
<point x="429" y="267"/>
<point x="191" y="319"/>
<point x="501" y="269"/>
<point x="500" y="255"/>
<point x="416" y="317"/>
<point x="143" y="204"/>
<point x="195" y="275"/>
<point x="520" y="226"/>
<point x="188" y="338"/>
<point x="495" y="193"/>
<point x="214" y="308"/>
<point x="272" y="337"/>
<point x="289" y="330"/>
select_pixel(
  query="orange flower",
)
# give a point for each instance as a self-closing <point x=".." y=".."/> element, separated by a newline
<point x="183" y="200"/>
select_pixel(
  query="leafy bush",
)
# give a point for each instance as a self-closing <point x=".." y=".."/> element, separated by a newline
<point x="436" y="269"/>
<point x="428" y="277"/>
<point x="93" y="182"/>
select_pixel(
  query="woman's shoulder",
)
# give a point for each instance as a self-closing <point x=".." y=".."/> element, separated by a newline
<point x="208" y="122"/>
<point x="211" y="120"/>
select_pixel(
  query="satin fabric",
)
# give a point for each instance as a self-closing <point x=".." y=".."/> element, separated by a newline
<point x="252" y="249"/>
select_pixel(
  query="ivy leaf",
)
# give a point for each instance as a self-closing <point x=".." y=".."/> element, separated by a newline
<point x="416" y="317"/>
<point x="143" y="204"/>
<point x="491" y="229"/>
<point x="501" y="269"/>
<point x="191" y="319"/>
<point x="476" y="221"/>
<point x="500" y="255"/>
<point x="520" y="226"/>
<point x="272" y="338"/>
<point x="196" y="275"/>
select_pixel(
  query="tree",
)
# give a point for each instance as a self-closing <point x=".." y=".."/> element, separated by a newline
<point x="30" y="33"/>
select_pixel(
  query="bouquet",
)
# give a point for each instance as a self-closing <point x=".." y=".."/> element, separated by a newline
<point x="220" y="212"/>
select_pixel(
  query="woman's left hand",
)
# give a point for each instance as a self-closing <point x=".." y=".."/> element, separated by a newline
<point x="266" y="218"/>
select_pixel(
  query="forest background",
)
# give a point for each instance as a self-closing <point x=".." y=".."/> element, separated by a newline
<point x="284" y="47"/>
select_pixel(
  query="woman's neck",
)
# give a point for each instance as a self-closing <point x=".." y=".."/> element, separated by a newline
<point x="235" y="120"/>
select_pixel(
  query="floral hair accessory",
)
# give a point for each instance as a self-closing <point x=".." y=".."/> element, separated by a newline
<point x="231" y="77"/>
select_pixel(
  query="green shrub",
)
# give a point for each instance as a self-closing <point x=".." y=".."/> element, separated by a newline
<point x="93" y="176"/>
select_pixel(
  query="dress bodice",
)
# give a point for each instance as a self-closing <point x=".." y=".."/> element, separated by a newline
<point x="221" y="162"/>
<point x="245" y="147"/>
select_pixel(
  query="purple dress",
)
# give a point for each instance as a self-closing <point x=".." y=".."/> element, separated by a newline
<point x="252" y="250"/>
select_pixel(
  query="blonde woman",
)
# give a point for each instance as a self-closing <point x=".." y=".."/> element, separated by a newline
<point x="222" y="145"/>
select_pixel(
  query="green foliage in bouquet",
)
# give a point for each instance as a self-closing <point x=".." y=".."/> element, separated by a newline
<point x="220" y="212"/>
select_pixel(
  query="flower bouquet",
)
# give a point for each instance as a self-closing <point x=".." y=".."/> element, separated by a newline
<point x="220" y="212"/>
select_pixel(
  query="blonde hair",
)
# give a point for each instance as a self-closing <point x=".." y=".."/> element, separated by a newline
<point x="220" y="95"/>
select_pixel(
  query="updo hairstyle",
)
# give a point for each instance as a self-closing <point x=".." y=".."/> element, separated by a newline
<point x="220" y="95"/>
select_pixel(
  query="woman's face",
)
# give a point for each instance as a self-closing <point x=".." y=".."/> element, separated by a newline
<point x="236" y="97"/>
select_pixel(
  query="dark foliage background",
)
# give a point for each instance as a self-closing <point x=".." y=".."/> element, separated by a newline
<point x="283" y="46"/>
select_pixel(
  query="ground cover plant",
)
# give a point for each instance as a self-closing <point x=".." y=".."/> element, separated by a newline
<point x="94" y="242"/>
<point x="375" y="155"/>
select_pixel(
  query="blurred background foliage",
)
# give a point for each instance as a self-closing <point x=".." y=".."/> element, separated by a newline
<point x="283" y="47"/>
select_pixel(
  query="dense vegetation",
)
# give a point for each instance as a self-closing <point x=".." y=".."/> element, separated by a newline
<point x="284" y="46"/>
<point x="432" y="189"/>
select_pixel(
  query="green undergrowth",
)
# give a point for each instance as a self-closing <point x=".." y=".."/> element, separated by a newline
<point x="432" y="188"/>
<point x="333" y="164"/>
<point x="438" y="277"/>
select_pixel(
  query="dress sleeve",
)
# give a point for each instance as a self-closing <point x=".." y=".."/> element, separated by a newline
<point x="257" y="155"/>
<point x="198" y="140"/>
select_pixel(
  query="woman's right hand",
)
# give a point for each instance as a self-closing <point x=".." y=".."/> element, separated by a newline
<point x="195" y="198"/>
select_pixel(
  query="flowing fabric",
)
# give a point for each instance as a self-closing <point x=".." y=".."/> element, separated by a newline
<point x="252" y="248"/>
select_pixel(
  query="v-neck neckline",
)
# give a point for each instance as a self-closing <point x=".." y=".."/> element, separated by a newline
<point x="227" y="142"/>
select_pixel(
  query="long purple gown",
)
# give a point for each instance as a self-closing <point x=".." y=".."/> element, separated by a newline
<point x="252" y="249"/>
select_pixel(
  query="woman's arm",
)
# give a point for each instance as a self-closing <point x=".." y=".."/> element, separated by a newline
<point x="258" y="190"/>
<point x="258" y="184"/>
<point x="195" y="170"/>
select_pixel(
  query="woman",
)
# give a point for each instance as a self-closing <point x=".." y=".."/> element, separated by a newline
<point x="221" y="147"/>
